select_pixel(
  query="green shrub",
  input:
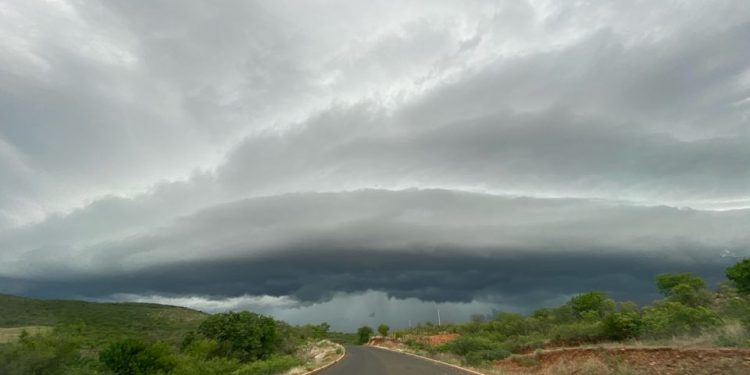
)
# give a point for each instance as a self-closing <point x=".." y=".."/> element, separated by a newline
<point x="509" y="324"/>
<point x="188" y="365"/>
<point x="591" y="305"/>
<point x="581" y="331"/>
<point x="136" y="357"/>
<point x="201" y="348"/>
<point x="739" y="308"/>
<point x="464" y="345"/>
<point x="420" y="345"/>
<point x="525" y="342"/>
<point x="673" y="318"/>
<point x="49" y="354"/>
<point x="482" y="356"/>
<point x="622" y="325"/>
<point x="272" y="365"/>
<point x="690" y="296"/>
<point x="245" y="335"/>
<point x="383" y="330"/>
<point x="740" y="275"/>
<point x="684" y="288"/>
<point x="363" y="334"/>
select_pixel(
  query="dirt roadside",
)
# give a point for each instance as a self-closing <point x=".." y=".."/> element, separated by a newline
<point x="629" y="360"/>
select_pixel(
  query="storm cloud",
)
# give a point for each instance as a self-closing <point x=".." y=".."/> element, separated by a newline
<point x="293" y="158"/>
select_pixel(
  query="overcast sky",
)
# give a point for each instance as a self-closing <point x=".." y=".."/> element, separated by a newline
<point x="359" y="162"/>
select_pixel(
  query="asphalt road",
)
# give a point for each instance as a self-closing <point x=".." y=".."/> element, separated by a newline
<point x="362" y="360"/>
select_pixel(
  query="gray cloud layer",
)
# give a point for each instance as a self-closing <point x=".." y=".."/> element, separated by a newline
<point x="494" y="153"/>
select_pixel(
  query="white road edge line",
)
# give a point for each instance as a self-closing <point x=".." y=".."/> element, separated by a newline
<point x="321" y="368"/>
<point x="430" y="359"/>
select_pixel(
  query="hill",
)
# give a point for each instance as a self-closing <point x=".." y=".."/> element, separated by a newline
<point x="61" y="337"/>
<point x="101" y="321"/>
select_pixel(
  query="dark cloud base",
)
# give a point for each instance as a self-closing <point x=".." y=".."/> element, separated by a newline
<point x="315" y="275"/>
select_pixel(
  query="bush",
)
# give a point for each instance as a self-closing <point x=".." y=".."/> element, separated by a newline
<point x="383" y="330"/>
<point x="520" y="343"/>
<point x="245" y="335"/>
<point x="673" y="318"/>
<point x="363" y="334"/>
<point x="135" y="357"/>
<point x="667" y="281"/>
<point x="577" y="332"/>
<point x="509" y="324"/>
<point x="51" y="354"/>
<point x="739" y="308"/>
<point x="622" y="325"/>
<point x="272" y="365"/>
<point x="591" y="305"/>
<point x="740" y="275"/>
<point x="481" y="356"/>
<point x="188" y="365"/>
<point x="201" y="348"/>
<point x="690" y="296"/>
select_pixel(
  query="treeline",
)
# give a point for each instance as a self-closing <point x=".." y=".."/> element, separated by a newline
<point x="241" y="343"/>
<point x="688" y="309"/>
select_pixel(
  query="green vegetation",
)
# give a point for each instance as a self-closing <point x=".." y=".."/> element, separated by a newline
<point x="364" y="334"/>
<point x="688" y="311"/>
<point x="99" y="322"/>
<point x="74" y="337"/>
<point x="132" y="356"/>
<point x="383" y="330"/>
<point x="740" y="275"/>
<point x="246" y="336"/>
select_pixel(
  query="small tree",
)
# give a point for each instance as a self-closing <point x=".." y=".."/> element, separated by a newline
<point x="363" y="334"/>
<point x="740" y="275"/>
<point x="666" y="282"/>
<point x="320" y="331"/>
<point x="685" y="288"/>
<point x="592" y="305"/>
<point x="383" y="330"/>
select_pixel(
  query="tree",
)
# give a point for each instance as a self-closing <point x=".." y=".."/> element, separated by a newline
<point x="363" y="334"/>
<point x="383" y="330"/>
<point x="666" y="282"/>
<point x="321" y="330"/>
<point x="739" y="273"/>
<point x="592" y="304"/>
<point x="135" y="357"/>
<point x="245" y="335"/>
<point x="685" y="288"/>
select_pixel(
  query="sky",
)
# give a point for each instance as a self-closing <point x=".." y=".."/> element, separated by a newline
<point x="359" y="162"/>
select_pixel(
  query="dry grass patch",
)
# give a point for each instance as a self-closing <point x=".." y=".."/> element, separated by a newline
<point x="8" y="335"/>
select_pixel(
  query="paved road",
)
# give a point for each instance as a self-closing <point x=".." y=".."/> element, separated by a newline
<point x="362" y="360"/>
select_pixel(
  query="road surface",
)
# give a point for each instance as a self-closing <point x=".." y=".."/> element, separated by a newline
<point x="363" y="360"/>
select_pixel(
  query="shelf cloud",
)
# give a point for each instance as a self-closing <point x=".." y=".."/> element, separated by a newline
<point x="295" y="158"/>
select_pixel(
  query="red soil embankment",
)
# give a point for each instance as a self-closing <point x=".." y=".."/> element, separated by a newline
<point x="641" y="360"/>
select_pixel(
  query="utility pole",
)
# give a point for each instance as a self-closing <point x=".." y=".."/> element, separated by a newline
<point x="438" y="311"/>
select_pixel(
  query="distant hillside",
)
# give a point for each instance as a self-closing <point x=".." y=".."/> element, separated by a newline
<point x="101" y="321"/>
